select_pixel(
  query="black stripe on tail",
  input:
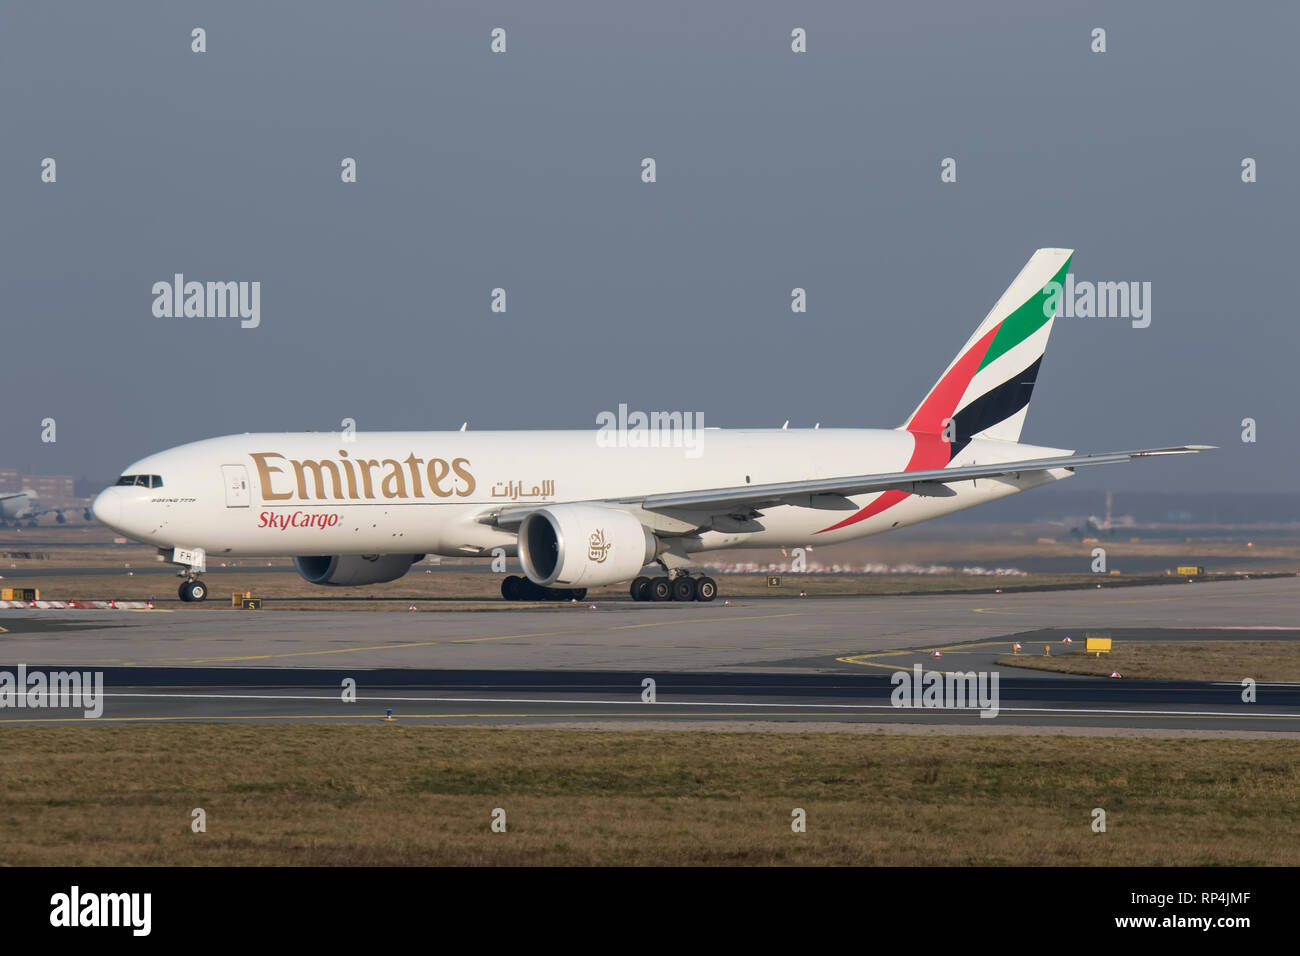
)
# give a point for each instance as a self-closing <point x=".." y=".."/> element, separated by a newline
<point x="995" y="405"/>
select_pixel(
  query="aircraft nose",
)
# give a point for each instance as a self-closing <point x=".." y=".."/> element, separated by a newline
<point x="107" y="508"/>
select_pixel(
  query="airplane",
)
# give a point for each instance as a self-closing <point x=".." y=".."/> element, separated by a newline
<point x="579" y="512"/>
<point x="26" y="506"/>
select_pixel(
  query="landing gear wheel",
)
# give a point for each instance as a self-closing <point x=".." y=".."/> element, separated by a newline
<point x="661" y="589"/>
<point x="706" y="589"/>
<point x="193" y="591"/>
<point x="184" y="592"/>
<point x="641" y="589"/>
<point x="510" y="587"/>
<point x="684" y="588"/>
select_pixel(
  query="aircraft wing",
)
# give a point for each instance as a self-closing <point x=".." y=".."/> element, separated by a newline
<point x="833" y="493"/>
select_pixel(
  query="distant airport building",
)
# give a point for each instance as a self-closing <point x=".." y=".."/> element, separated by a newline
<point x="52" y="490"/>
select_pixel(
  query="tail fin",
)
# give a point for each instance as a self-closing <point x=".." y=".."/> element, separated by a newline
<point x="985" y="390"/>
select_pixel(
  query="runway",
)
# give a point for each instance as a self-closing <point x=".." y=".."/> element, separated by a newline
<point x="811" y="661"/>
<point x="152" y="695"/>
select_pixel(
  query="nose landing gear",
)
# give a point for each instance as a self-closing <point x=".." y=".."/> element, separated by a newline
<point x="193" y="562"/>
<point x="193" y="590"/>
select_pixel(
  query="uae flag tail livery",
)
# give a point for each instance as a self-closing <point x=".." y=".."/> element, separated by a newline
<point x="984" y="392"/>
<point x="581" y="509"/>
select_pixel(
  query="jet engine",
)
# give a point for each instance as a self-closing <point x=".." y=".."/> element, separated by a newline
<point x="581" y="545"/>
<point x="344" y="570"/>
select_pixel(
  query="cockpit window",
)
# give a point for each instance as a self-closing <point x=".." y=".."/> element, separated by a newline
<point x="141" y="481"/>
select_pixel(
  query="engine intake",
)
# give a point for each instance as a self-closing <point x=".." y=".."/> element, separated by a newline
<point x="345" y="570"/>
<point x="583" y="546"/>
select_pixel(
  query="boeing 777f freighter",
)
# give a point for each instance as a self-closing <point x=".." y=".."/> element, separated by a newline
<point x="580" y="511"/>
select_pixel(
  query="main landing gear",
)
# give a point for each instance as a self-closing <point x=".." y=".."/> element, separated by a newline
<point x="681" y="587"/>
<point x="192" y="590"/>
<point x="515" y="588"/>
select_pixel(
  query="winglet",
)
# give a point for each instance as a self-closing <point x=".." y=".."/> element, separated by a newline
<point x="1171" y="450"/>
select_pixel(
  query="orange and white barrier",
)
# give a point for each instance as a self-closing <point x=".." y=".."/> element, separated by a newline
<point x="77" y="605"/>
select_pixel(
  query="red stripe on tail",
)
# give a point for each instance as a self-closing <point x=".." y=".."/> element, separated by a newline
<point x="929" y="450"/>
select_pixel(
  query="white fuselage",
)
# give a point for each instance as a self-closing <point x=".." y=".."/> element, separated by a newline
<point x="19" y="506"/>
<point x="429" y="492"/>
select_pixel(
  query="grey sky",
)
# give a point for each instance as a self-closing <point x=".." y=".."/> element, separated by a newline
<point x="522" y="170"/>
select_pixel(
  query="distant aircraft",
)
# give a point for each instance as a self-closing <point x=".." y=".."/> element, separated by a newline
<point x="582" y="512"/>
<point x="1082" y="526"/>
<point x="25" y="506"/>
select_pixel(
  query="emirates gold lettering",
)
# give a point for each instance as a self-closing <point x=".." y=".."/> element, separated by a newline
<point x="412" y="462"/>
<point x="344" y="478"/>
<point x="317" y="469"/>
<point x="347" y="470"/>
<point x="264" y="472"/>
<point x="461" y="467"/>
<point x="438" y="470"/>
<point x="367" y="489"/>
<point x="396" y="479"/>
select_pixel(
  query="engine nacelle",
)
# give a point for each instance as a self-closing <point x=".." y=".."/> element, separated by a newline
<point x="583" y="546"/>
<point x="344" y="570"/>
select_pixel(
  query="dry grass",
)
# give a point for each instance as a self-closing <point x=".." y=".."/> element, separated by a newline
<point x="454" y="590"/>
<point x="447" y="590"/>
<point x="81" y="545"/>
<point x="77" y="546"/>
<point x="1194" y="660"/>
<point x="399" y="795"/>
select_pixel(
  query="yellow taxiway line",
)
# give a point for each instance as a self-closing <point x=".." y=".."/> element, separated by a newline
<point x="863" y="659"/>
